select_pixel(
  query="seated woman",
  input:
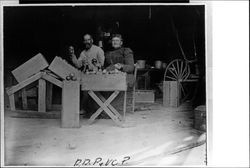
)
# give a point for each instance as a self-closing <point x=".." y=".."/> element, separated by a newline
<point x="122" y="59"/>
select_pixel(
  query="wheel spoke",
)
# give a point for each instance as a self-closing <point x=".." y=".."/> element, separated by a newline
<point x="181" y="69"/>
<point x="175" y="71"/>
<point x="173" y="74"/>
<point x="187" y="73"/>
<point x="178" y="70"/>
<point x="183" y="72"/>
<point x="171" y="78"/>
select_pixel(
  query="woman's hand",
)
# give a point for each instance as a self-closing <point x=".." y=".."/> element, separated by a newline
<point x="119" y="66"/>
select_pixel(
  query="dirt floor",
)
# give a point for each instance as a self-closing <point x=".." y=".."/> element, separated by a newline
<point x="152" y="136"/>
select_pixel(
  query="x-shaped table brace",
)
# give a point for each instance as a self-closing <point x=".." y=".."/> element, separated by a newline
<point x="107" y="107"/>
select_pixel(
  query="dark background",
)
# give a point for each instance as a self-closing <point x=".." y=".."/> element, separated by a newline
<point x="146" y="30"/>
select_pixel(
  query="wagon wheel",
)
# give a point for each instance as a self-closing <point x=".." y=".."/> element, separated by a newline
<point x="179" y="70"/>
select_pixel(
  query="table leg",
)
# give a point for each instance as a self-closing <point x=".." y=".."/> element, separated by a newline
<point x="105" y="107"/>
<point x="124" y="104"/>
<point x="106" y="102"/>
<point x="112" y="109"/>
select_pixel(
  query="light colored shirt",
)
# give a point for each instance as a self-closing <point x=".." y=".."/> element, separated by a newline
<point x="87" y="56"/>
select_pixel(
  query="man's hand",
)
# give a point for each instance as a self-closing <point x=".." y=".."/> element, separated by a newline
<point x="71" y="50"/>
<point x="72" y="53"/>
<point x="119" y="66"/>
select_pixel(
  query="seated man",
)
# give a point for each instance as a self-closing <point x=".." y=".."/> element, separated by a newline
<point x="91" y="58"/>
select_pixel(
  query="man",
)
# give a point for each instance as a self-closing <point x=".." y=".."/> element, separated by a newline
<point x="120" y="58"/>
<point x="91" y="57"/>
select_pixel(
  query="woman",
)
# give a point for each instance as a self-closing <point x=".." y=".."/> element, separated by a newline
<point x="122" y="59"/>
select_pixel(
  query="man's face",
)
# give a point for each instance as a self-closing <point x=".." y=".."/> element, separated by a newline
<point x="116" y="42"/>
<point x="88" y="41"/>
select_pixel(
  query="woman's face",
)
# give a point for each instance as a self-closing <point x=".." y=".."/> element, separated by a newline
<point x="116" y="42"/>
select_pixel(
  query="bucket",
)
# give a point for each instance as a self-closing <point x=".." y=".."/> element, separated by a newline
<point x="158" y="64"/>
<point x="200" y="118"/>
<point x="141" y="64"/>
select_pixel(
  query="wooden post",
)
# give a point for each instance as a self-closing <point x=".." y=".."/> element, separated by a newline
<point x="12" y="102"/>
<point x="70" y="104"/>
<point x="42" y="95"/>
<point x="171" y="94"/>
<point x="49" y="88"/>
<point x="24" y="99"/>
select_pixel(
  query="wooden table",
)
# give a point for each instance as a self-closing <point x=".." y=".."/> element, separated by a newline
<point x="94" y="83"/>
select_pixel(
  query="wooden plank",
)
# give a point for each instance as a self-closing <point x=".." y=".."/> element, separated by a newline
<point x="24" y="99"/>
<point x="166" y="93"/>
<point x="24" y="83"/>
<point x="104" y="82"/>
<point x="30" y="67"/>
<point x="49" y="89"/>
<point x="145" y="96"/>
<point x="52" y="80"/>
<point x="12" y="102"/>
<point x="108" y="101"/>
<point x="62" y="68"/>
<point x="70" y="104"/>
<point x="171" y="94"/>
<point x="174" y="94"/>
<point x="189" y="80"/>
<point x="42" y="95"/>
<point x="105" y="108"/>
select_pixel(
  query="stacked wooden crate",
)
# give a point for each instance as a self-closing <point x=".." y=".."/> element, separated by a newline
<point x="28" y="73"/>
<point x="37" y="69"/>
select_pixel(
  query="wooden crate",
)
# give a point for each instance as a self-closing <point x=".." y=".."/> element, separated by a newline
<point x="70" y="104"/>
<point x="31" y="67"/>
<point x="60" y="67"/>
<point x="171" y="94"/>
<point x="104" y="82"/>
<point x="145" y="96"/>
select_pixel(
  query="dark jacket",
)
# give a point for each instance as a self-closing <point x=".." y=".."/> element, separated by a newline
<point x="122" y="55"/>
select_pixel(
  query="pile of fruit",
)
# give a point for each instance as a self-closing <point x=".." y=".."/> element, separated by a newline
<point x="105" y="71"/>
<point x="71" y="76"/>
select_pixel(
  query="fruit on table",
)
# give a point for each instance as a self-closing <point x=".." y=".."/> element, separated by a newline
<point x="68" y="78"/>
<point x="74" y="78"/>
<point x="71" y="75"/>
